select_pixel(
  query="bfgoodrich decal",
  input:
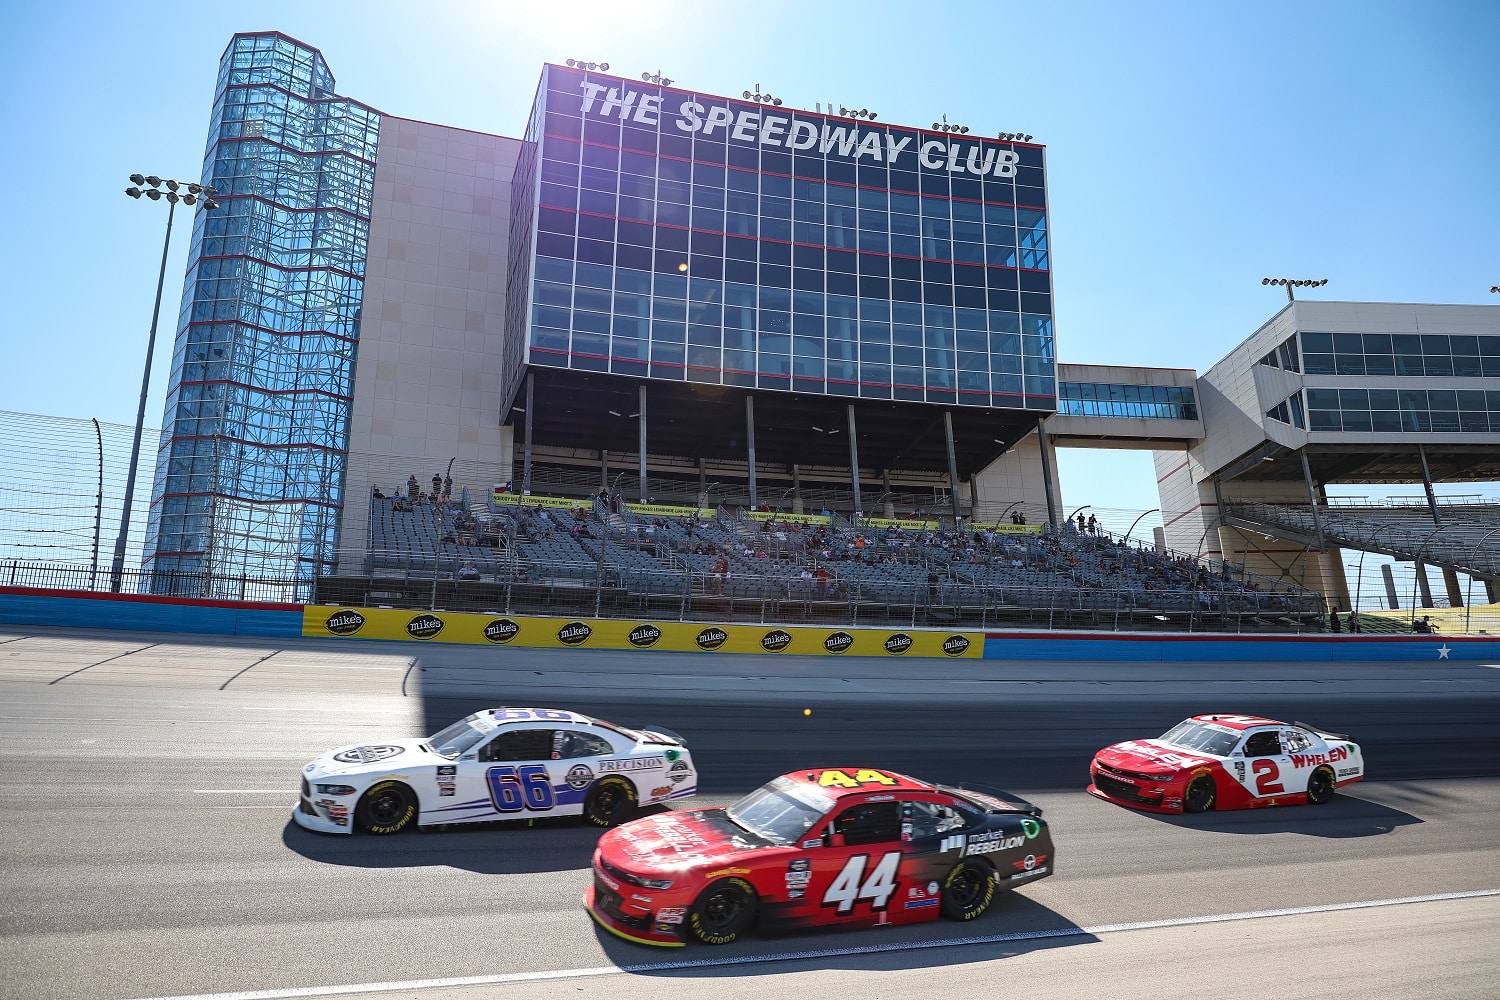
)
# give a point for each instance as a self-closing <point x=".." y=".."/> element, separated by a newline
<point x="574" y="634"/>
<point x="424" y="626"/>
<point x="345" y="622"/>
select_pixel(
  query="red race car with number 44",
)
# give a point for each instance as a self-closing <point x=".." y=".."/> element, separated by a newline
<point x="828" y="847"/>
<point x="1227" y="762"/>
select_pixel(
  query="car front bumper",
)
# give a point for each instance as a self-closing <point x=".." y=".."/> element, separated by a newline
<point x="631" y="921"/>
<point x="325" y="814"/>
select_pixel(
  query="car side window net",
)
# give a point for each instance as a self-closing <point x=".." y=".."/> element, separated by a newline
<point x="870" y="823"/>
<point x="1266" y="744"/>
<point x="521" y="744"/>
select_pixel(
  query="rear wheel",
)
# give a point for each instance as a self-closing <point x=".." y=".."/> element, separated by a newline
<point x="723" y="912"/>
<point x="1201" y="792"/>
<point x="968" y="891"/>
<point x="610" y="802"/>
<point x="388" y="807"/>
<point x="1320" y="786"/>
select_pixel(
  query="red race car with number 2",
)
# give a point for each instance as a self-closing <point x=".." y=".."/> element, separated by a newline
<point x="827" y="847"/>
<point x="1227" y="762"/>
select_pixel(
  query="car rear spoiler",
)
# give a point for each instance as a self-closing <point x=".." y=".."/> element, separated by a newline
<point x="1321" y="732"/>
<point x="667" y="736"/>
<point x="993" y="801"/>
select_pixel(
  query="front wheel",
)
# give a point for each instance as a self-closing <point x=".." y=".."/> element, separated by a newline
<point x="388" y="807"/>
<point x="724" y="911"/>
<point x="968" y="891"/>
<point x="610" y="802"/>
<point x="1201" y="792"/>
<point x="1320" y="786"/>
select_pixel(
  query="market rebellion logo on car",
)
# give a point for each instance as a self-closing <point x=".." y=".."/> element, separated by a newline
<point x="644" y="635"/>
<point x="345" y="622"/>
<point x="424" y="626"/>
<point x="776" y="640"/>
<point x="574" y="634"/>
<point x="712" y="638"/>
<point x="501" y="630"/>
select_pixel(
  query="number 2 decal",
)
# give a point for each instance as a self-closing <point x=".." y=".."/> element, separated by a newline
<point x="513" y="790"/>
<point x="846" y="888"/>
<point x="1266" y="775"/>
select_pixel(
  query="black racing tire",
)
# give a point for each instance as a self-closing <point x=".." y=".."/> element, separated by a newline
<point x="968" y="891"/>
<point x="723" y="911"/>
<point x="1201" y="794"/>
<point x="386" y="807"/>
<point x="1321" y="785"/>
<point x="610" y="802"/>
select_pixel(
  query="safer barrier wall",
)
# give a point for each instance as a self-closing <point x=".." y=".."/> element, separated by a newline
<point x="81" y="609"/>
<point x="85" y="609"/>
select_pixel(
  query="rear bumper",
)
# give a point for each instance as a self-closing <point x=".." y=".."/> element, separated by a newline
<point x="641" y="930"/>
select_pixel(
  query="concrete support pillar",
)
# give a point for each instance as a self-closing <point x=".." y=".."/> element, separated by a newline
<point x="1492" y="591"/>
<point x="604" y="468"/>
<point x="974" y="497"/>
<point x="1393" y="601"/>
<point x="1450" y="583"/>
<point x="1312" y="500"/>
<point x="1423" y="587"/>
<point x="797" y="489"/>
<point x="1049" y="462"/>
<point x="530" y="420"/>
<point x="888" y="505"/>
<point x="750" y="445"/>
<point x="859" y="506"/>
<point x="1427" y="486"/>
<point x="645" y="498"/>
<point x="952" y="468"/>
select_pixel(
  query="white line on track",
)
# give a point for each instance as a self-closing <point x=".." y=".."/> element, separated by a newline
<point x="241" y="791"/>
<point x="795" y="956"/>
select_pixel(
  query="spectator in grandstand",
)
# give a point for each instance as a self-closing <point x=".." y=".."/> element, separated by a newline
<point x="437" y="484"/>
<point x="932" y="585"/>
<point x="1333" y="619"/>
<point x="377" y="494"/>
<point x="468" y="571"/>
<point x="1093" y="525"/>
<point x="447" y="485"/>
<point x="1423" y="625"/>
<point x="411" y="486"/>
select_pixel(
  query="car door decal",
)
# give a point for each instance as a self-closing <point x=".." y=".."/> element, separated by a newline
<point x="1267" y="777"/>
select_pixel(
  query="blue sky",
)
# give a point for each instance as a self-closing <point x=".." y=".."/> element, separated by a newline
<point x="1192" y="149"/>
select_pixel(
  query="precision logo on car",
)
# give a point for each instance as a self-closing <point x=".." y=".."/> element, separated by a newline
<point x="776" y="640"/>
<point x="574" y="634"/>
<point x="898" y="643"/>
<point x="501" y="630"/>
<point x="712" y="638"/>
<point x="644" y="635"/>
<point x="956" y="645"/>
<point x="345" y="622"/>
<point x="424" y="626"/>
<point x="838" y="642"/>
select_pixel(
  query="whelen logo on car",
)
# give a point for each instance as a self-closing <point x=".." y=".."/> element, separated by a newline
<point x="574" y="634"/>
<point x="956" y="645"/>
<point x="776" y="640"/>
<point x="501" y="630"/>
<point x="838" y="642"/>
<point x="424" y="626"/>
<point x="345" y="622"/>
<point x="644" y="635"/>
<point x="712" y="638"/>
<point x="898" y="643"/>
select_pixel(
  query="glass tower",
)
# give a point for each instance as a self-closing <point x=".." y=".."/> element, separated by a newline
<point x="250" y="474"/>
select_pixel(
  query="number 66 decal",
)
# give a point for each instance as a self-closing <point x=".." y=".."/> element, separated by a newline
<point x="1266" y="777"/>
<point x="513" y="789"/>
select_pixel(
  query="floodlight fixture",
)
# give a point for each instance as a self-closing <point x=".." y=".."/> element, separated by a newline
<point x="1290" y="283"/>
<point x="656" y="78"/>
<point x="583" y="64"/>
<point x="944" y="126"/>
<point x="1013" y="136"/>
<point x="761" y="97"/>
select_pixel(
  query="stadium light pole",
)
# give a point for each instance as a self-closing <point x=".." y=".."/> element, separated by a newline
<point x="1290" y="283"/>
<point x="189" y="194"/>
<point x="1154" y="510"/>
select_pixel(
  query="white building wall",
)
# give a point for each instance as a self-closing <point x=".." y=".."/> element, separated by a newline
<point x="1016" y="478"/>
<point x="428" y="367"/>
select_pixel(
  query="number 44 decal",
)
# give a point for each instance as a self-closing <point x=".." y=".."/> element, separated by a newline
<point x="846" y="889"/>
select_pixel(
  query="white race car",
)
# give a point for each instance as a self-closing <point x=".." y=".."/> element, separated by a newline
<point x="502" y="763"/>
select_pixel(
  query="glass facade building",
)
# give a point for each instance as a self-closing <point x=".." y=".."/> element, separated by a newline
<point x="250" y="475"/>
<point x="684" y="237"/>
<point x="1108" y="399"/>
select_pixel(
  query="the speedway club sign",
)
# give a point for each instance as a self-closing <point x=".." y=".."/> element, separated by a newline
<point x="802" y="133"/>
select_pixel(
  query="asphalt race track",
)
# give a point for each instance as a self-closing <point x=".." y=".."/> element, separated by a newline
<point x="148" y="849"/>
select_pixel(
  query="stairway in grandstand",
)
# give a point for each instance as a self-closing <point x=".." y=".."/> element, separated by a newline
<point x="1466" y="540"/>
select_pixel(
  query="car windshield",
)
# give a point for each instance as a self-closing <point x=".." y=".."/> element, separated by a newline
<point x="1202" y="737"/>
<point x="780" y="811"/>
<point x="460" y="736"/>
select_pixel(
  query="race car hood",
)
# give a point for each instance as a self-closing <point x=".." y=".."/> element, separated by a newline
<point x="371" y="758"/>
<point x="678" y="840"/>
<point x="1149" y="757"/>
